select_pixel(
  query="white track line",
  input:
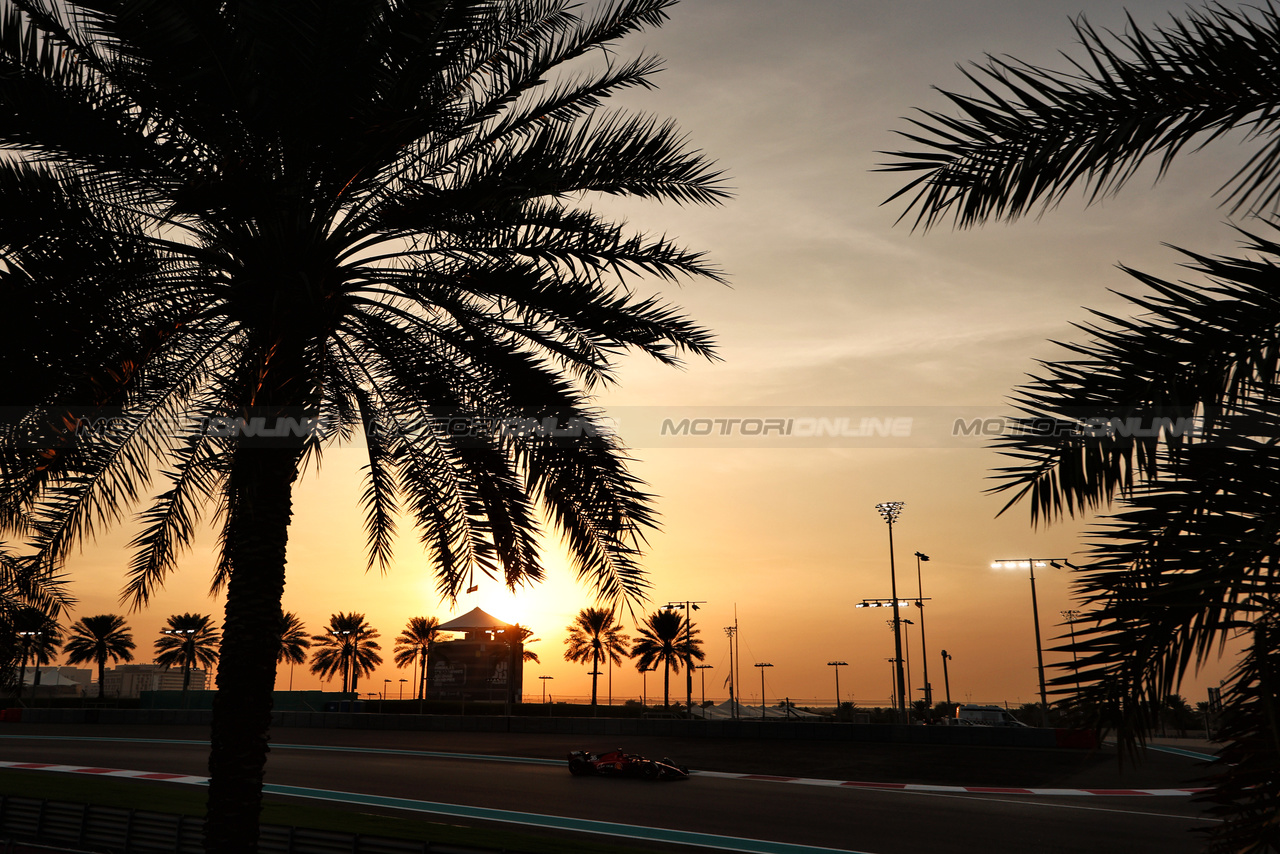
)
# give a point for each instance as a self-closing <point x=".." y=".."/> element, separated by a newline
<point x="979" y="790"/>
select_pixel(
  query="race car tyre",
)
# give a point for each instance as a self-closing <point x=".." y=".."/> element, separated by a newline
<point x="579" y="767"/>
<point x="651" y="771"/>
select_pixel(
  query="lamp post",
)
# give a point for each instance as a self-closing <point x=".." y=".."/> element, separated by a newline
<point x="924" y="650"/>
<point x="27" y="639"/>
<point x="1031" y="564"/>
<point x="422" y="674"/>
<point x="402" y="681"/>
<point x="730" y="631"/>
<point x="906" y="642"/>
<point x="1071" y="615"/>
<point x="689" y="607"/>
<point x="894" y="603"/>
<point x="762" y="666"/>
<point x="837" y="665"/>
<point x="704" y="668"/>
<point x="946" y="679"/>
<point x="544" y="687"/>
<point x="348" y="684"/>
<point x="188" y="656"/>
<point x="35" y="680"/>
<point x="889" y="511"/>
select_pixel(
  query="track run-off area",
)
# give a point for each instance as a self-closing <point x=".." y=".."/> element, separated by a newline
<point x="471" y="778"/>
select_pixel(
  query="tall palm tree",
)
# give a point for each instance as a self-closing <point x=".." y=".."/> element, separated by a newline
<point x="279" y="223"/>
<point x="294" y="642"/>
<point x="348" y="646"/>
<point x="100" y="639"/>
<point x="666" y="638"/>
<point x="413" y="647"/>
<point x="188" y="640"/>
<point x="595" y="637"/>
<point x="1165" y="422"/>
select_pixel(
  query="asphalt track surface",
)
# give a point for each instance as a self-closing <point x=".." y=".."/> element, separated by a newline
<point x="844" y="818"/>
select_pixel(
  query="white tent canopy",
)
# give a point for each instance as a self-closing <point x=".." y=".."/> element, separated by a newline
<point x="474" y="620"/>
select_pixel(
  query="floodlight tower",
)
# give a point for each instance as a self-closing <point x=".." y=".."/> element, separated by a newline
<point x="889" y="511"/>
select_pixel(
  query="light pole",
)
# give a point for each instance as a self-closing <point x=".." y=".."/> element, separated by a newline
<point x="402" y="681"/>
<point x="946" y="679"/>
<point x="689" y="607"/>
<point x="422" y="674"/>
<point x="762" y="666"/>
<point x="895" y="604"/>
<point x="837" y="665"/>
<point x="26" y="642"/>
<point x="704" y="668"/>
<point x="35" y="680"/>
<point x="906" y="641"/>
<point x="1071" y="615"/>
<point x="733" y="702"/>
<point x="188" y="657"/>
<point x="348" y="684"/>
<point x="924" y="650"/>
<point x="544" y="687"/>
<point x="890" y="511"/>
<point x="1031" y="564"/>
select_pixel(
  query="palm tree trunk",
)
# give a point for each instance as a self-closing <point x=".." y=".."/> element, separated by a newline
<point x="666" y="684"/>
<point x="22" y="671"/>
<point x="426" y="668"/>
<point x="258" y="530"/>
<point x="355" y="672"/>
<point x="595" y="674"/>
<point x="102" y="677"/>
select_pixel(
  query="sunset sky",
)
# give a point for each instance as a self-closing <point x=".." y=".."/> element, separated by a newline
<point x="833" y="312"/>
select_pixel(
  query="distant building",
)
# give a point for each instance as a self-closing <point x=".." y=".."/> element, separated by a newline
<point x="130" y="680"/>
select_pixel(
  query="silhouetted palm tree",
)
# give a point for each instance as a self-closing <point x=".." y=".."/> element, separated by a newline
<point x="413" y="647"/>
<point x="294" y="642"/>
<point x="595" y="637"/>
<point x="33" y="636"/>
<point x="1167" y="422"/>
<point x="666" y="638"/>
<point x="188" y="640"/>
<point x="23" y="587"/>
<point x="524" y="635"/>
<point x="279" y="222"/>
<point x="348" y="647"/>
<point x="100" y="639"/>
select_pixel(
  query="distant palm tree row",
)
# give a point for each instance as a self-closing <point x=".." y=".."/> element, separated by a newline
<point x="667" y="639"/>
<point x="348" y="647"/>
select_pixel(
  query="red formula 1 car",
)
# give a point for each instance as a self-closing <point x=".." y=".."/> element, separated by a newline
<point x="616" y="763"/>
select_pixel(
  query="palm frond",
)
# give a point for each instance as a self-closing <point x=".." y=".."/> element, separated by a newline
<point x="1034" y="134"/>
